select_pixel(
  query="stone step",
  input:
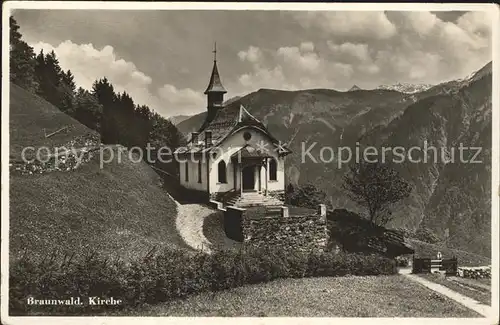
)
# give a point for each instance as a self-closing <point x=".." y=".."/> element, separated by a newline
<point x="253" y="199"/>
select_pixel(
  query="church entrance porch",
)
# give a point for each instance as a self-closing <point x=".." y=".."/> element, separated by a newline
<point x="250" y="170"/>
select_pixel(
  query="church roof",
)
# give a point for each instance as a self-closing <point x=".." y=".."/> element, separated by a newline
<point x="215" y="85"/>
<point x="228" y="120"/>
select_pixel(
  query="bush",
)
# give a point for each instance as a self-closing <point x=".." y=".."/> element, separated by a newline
<point x="306" y="196"/>
<point x="172" y="274"/>
<point x="402" y="261"/>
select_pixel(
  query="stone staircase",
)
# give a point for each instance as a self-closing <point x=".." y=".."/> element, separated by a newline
<point x="250" y="199"/>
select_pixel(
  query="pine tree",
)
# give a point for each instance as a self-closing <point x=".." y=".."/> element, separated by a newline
<point x="124" y="113"/>
<point x="66" y="90"/>
<point x="50" y="87"/>
<point x="22" y="59"/>
<point x="165" y="134"/>
<point x="142" y="125"/>
<point x="87" y="109"/>
<point x="40" y="72"/>
<point x="105" y="95"/>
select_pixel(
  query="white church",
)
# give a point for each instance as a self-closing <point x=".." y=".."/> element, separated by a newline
<point x="233" y="158"/>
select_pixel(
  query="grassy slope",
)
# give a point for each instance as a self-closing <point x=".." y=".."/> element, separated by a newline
<point x="30" y="115"/>
<point x="479" y="294"/>
<point x="423" y="249"/>
<point x="120" y="209"/>
<point x="375" y="296"/>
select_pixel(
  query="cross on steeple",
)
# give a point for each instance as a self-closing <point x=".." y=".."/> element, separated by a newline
<point x="215" y="91"/>
<point x="215" y="85"/>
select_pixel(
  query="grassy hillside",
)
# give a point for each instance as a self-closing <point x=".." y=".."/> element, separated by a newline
<point x="32" y="117"/>
<point x="120" y="210"/>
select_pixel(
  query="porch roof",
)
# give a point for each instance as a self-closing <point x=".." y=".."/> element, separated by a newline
<point x="250" y="152"/>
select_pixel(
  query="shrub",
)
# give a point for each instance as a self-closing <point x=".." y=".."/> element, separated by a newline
<point x="171" y="274"/>
<point x="307" y="196"/>
<point x="402" y="261"/>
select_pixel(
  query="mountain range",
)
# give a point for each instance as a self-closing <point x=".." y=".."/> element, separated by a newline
<point x="407" y="88"/>
<point x="451" y="199"/>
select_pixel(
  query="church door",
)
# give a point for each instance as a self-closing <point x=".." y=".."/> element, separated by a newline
<point x="248" y="175"/>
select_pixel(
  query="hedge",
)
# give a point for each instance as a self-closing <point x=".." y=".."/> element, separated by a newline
<point x="172" y="274"/>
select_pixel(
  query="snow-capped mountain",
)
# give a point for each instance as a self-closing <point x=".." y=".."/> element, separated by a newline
<point x="355" y="87"/>
<point x="406" y="87"/>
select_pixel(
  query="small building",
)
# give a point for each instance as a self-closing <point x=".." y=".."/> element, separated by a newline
<point x="233" y="158"/>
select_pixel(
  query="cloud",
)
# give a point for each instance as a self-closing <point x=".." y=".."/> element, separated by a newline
<point x="291" y="68"/>
<point x="392" y="47"/>
<point x="307" y="61"/>
<point x="253" y="54"/>
<point x="307" y="46"/>
<point x="357" y="24"/>
<point x="182" y="99"/>
<point x="348" y="51"/>
<point x="433" y="50"/>
<point x="263" y="78"/>
<point x="88" y="64"/>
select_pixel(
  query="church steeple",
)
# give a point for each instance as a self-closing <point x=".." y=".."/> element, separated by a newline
<point x="215" y="91"/>
<point x="215" y="85"/>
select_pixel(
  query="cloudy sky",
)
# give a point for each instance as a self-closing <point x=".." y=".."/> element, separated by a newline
<point x="164" y="58"/>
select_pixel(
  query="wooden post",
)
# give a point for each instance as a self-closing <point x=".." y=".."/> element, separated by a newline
<point x="284" y="212"/>
<point x="266" y="171"/>
<point x="234" y="175"/>
<point x="322" y="211"/>
<point x="260" y="180"/>
<point x="241" y="179"/>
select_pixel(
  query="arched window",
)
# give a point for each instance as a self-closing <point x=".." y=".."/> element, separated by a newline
<point x="273" y="170"/>
<point x="222" y="172"/>
<point x="186" y="171"/>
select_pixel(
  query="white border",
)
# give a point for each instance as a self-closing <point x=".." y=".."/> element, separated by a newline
<point x="9" y="6"/>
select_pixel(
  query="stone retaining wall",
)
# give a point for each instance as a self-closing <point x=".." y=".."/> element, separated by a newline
<point x="254" y="226"/>
<point x="480" y="272"/>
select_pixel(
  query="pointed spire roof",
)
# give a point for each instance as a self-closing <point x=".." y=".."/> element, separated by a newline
<point x="215" y="85"/>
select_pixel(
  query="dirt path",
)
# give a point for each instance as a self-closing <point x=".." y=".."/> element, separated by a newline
<point x="189" y="224"/>
<point x="470" y="303"/>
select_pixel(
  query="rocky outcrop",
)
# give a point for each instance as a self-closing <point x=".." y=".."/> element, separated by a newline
<point x="65" y="158"/>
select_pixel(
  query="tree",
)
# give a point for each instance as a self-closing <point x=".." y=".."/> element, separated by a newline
<point x="376" y="187"/>
<point x="143" y="125"/>
<point x="67" y="88"/>
<point x="307" y="195"/>
<point x="106" y="97"/>
<point x="22" y="59"/>
<point x="124" y="118"/>
<point x="164" y="134"/>
<point x="87" y="109"/>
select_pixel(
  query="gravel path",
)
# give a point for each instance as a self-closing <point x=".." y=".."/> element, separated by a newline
<point x="470" y="303"/>
<point x="189" y="224"/>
